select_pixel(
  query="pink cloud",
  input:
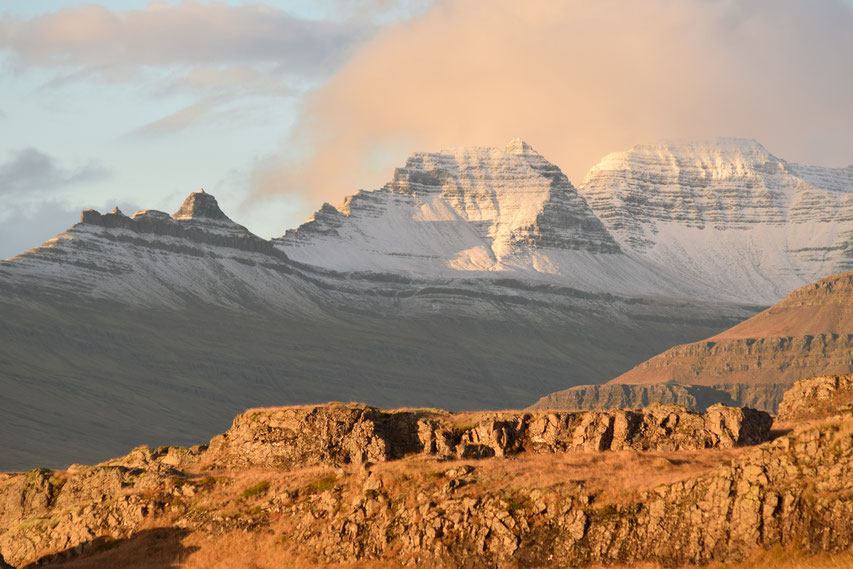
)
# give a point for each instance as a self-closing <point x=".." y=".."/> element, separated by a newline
<point x="578" y="79"/>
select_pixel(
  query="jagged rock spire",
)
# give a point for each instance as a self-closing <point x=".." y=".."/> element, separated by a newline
<point x="199" y="204"/>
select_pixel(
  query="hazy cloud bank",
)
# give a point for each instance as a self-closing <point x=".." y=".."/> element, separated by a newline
<point x="578" y="79"/>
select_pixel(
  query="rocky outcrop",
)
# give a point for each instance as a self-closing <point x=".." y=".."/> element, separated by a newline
<point x="342" y="434"/>
<point x="46" y="512"/>
<point x="793" y="492"/>
<point x="818" y="397"/>
<point x="783" y="493"/>
<point x="303" y="436"/>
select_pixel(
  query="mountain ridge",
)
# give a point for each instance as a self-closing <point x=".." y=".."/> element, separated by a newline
<point x="808" y="333"/>
<point x="149" y="315"/>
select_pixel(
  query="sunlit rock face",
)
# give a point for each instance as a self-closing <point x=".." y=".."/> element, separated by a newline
<point x="807" y="334"/>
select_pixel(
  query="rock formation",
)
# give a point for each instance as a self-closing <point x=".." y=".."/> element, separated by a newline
<point x="343" y="483"/>
<point x="344" y="434"/>
<point x="817" y="398"/>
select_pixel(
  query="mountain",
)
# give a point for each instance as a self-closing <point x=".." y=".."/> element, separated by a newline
<point x="809" y="333"/>
<point x="156" y="328"/>
<point x="477" y="212"/>
<point x="727" y="213"/>
<point x="476" y="278"/>
<point x="719" y="220"/>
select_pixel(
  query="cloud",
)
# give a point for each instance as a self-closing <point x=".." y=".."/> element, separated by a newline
<point x="29" y="170"/>
<point x="189" y="33"/>
<point x="577" y="80"/>
<point x="214" y="52"/>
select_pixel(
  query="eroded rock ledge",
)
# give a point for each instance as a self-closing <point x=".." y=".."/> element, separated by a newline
<point x="345" y="434"/>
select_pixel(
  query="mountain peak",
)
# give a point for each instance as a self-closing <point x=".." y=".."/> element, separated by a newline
<point x="200" y="204"/>
<point x="518" y="146"/>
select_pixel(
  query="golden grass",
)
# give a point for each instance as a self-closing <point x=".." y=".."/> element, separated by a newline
<point x="615" y="476"/>
<point x="776" y="558"/>
<point x="164" y="548"/>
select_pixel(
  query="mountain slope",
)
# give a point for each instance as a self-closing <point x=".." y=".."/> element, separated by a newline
<point x="728" y="213"/>
<point x="809" y="333"/>
<point x="157" y="329"/>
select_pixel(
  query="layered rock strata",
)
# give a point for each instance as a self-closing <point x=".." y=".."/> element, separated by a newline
<point x="764" y="397"/>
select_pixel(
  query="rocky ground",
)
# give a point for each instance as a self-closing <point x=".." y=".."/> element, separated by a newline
<point x="361" y="487"/>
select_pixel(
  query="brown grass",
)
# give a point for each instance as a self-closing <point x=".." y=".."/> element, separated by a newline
<point x="777" y="558"/>
<point x="615" y="476"/>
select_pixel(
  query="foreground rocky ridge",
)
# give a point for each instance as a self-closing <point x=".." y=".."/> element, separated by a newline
<point x="341" y="483"/>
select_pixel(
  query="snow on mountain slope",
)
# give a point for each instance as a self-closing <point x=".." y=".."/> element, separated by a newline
<point x="156" y="329"/>
<point x="154" y="259"/>
<point x="728" y="213"/>
<point x="482" y="211"/>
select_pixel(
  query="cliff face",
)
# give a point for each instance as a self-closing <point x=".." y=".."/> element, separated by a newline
<point x="808" y="333"/>
<point x="340" y="435"/>
<point x="343" y="483"/>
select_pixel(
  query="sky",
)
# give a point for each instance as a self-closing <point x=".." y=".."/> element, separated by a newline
<point x="277" y="107"/>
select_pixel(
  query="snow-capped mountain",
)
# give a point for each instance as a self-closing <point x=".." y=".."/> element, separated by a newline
<point x="154" y="259"/>
<point x="721" y="219"/>
<point x="477" y="212"/>
<point x="476" y="278"/>
<point x="727" y="213"/>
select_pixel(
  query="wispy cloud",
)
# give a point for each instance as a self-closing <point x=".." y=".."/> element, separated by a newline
<point x="215" y="52"/>
<point x="189" y="33"/>
<point x="29" y="170"/>
<point x="579" y="79"/>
